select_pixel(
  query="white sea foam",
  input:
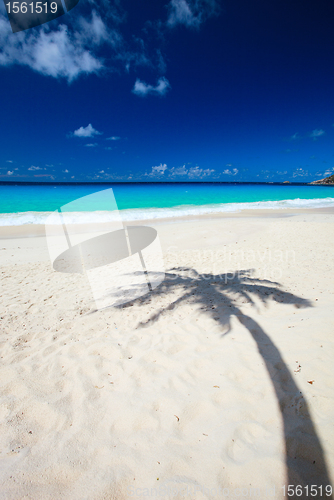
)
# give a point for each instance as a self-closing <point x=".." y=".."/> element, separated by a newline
<point x="23" y="218"/>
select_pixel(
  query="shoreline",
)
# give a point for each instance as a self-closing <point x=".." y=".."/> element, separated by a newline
<point x="38" y="230"/>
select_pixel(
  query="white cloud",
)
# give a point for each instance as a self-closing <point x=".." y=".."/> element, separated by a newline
<point x="180" y="13"/>
<point x="88" y="131"/>
<point x="230" y="172"/>
<point x="191" y="173"/>
<point x="158" y="171"/>
<point x="9" y="161"/>
<point x="102" y="172"/>
<point x="113" y="138"/>
<point x="9" y="172"/>
<point x="143" y="89"/>
<point x="34" y="168"/>
<point x="96" y="32"/>
<point x="108" y="148"/>
<point x="62" y="53"/>
<point x="199" y="172"/>
<point x="178" y="170"/>
<point x="66" y="171"/>
<point x="91" y="145"/>
<point x="190" y="13"/>
<point x="300" y="172"/>
<point x="316" y="133"/>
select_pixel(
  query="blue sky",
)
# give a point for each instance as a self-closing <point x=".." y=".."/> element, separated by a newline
<point x="178" y="90"/>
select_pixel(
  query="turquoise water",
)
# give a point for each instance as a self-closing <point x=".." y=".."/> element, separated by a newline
<point x="30" y="204"/>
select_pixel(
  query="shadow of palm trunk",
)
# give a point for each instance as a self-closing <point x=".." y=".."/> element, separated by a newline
<point x="305" y="460"/>
<point x="304" y="454"/>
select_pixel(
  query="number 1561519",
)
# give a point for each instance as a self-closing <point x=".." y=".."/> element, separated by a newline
<point x="33" y="7"/>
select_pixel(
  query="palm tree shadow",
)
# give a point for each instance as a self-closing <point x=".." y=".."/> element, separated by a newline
<point x="305" y="462"/>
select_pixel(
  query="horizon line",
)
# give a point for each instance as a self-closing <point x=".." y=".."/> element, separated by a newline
<point x="68" y="183"/>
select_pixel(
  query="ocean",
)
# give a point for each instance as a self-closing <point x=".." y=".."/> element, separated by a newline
<point x="31" y="204"/>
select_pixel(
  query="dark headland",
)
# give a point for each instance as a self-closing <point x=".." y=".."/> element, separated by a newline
<point x="326" y="180"/>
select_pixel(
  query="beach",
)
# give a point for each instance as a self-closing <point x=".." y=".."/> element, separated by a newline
<point x="217" y="384"/>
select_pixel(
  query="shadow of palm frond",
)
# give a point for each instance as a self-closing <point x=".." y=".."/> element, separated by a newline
<point x="220" y="296"/>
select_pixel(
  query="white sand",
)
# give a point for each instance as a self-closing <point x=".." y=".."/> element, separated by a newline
<point x="202" y="385"/>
